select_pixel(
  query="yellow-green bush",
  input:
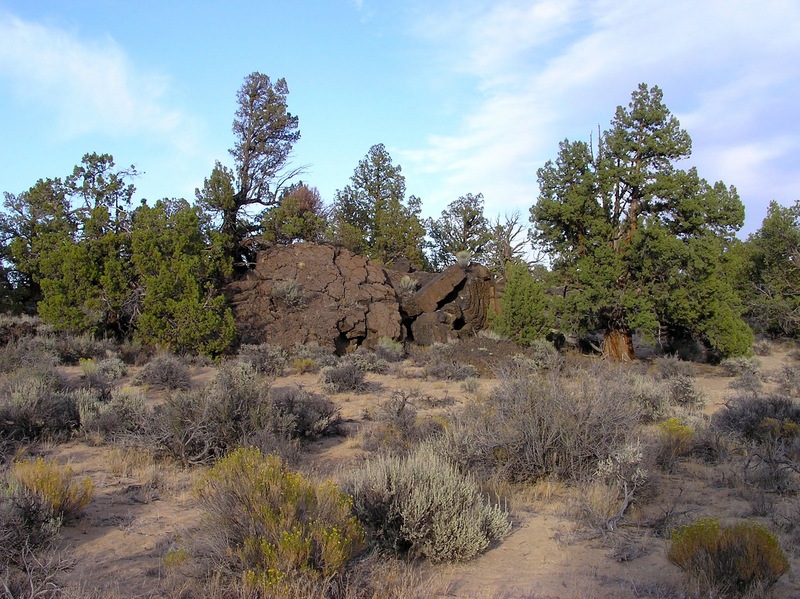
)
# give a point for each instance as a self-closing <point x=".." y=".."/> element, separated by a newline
<point x="728" y="559"/>
<point x="55" y="485"/>
<point x="270" y="526"/>
<point x="675" y="441"/>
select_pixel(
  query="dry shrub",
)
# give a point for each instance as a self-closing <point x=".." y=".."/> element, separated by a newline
<point x="763" y="347"/>
<point x="321" y="356"/>
<point x="288" y="294"/>
<point x="27" y="522"/>
<point x="313" y="415"/>
<point x="270" y="528"/>
<point x="264" y="358"/>
<point x="33" y="407"/>
<point x="422" y="505"/>
<point x="397" y="428"/>
<point x="54" y="484"/>
<point x="368" y="361"/>
<point x="788" y="379"/>
<point x="390" y="350"/>
<point x="164" y="371"/>
<point x="728" y="559"/>
<point x="684" y="392"/>
<point x="342" y="378"/>
<point x="534" y="425"/>
<point x="438" y="362"/>
<point x="744" y="415"/>
<point x="123" y="414"/>
<point x="201" y="425"/>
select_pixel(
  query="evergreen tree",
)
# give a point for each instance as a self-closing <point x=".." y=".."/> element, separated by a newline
<point x="176" y="266"/>
<point x="265" y="133"/>
<point x="525" y="313"/>
<point x="371" y="215"/>
<point x="300" y="216"/>
<point x="640" y="244"/>
<point x="771" y="281"/>
<point x="462" y="227"/>
<point x="85" y="280"/>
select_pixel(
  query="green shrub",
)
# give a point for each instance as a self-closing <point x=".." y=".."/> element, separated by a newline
<point x="269" y="526"/>
<point x="342" y="378"/>
<point x="54" y="484"/>
<point x="421" y="505"/>
<point x="728" y="559"/>
<point x="164" y="371"/>
<point x="524" y="314"/>
<point x="264" y="358"/>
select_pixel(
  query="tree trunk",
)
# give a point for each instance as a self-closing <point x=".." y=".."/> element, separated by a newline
<point x="618" y="345"/>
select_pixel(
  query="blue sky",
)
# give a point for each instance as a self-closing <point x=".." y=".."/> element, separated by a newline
<point x="468" y="96"/>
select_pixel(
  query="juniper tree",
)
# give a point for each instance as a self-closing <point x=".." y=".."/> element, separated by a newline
<point x="640" y="244"/>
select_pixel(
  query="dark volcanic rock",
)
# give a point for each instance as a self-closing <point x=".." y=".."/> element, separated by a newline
<point x="308" y="293"/>
<point x="339" y="299"/>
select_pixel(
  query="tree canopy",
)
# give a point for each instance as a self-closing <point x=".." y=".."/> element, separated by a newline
<point x="771" y="281"/>
<point x="462" y="227"/>
<point x="371" y="215"/>
<point x="264" y="134"/>
<point x="640" y="244"/>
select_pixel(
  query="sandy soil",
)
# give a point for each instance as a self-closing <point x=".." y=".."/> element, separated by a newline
<point x="141" y="510"/>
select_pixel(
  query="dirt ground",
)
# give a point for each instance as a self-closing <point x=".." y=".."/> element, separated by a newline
<point x="141" y="509"/>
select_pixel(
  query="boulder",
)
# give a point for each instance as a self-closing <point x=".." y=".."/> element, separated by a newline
<point x="309" y="293"/>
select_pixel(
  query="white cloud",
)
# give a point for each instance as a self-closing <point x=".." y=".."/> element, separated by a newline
<point x="545" y="70"/>
<point x="88" y="87"/>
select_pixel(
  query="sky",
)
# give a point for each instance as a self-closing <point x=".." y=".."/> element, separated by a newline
<point x="468" y="96"/>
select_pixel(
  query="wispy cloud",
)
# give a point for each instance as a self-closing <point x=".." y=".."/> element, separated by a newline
<point x="87" y="86"/>
<point x="546" y="70"/>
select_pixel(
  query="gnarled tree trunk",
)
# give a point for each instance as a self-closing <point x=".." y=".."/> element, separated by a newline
<point x="618" y="345"/>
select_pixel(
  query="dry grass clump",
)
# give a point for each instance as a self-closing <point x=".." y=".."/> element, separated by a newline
<point x="421" y="505"/>
<point x="164" y="371"/>
<point x="268" y="530"/>
<point x="724" y="560"/>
